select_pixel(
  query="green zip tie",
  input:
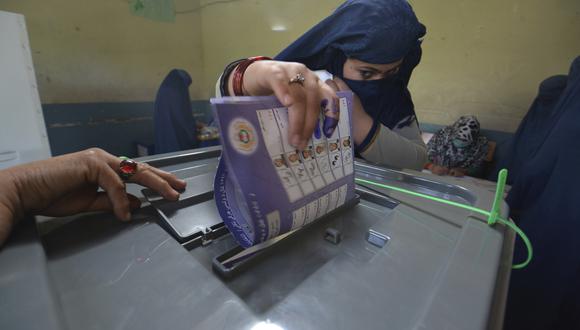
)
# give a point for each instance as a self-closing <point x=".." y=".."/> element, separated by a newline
<point x="492" y="216"/>
<point x="499" y="190"/>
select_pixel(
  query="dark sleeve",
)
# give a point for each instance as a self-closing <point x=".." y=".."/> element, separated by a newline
<point x="371" y="136"/>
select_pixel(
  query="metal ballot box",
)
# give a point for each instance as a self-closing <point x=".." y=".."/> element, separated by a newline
<point x="389" y="262"/>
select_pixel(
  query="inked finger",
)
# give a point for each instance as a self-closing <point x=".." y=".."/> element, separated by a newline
<point x="314" y="101"/>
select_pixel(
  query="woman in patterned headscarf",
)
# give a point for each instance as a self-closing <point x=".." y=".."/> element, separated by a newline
<point x="456" y="149"/>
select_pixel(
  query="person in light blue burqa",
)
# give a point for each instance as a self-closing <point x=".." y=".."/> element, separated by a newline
<point x="370" y="47"/>
<point x="175" y="128"/>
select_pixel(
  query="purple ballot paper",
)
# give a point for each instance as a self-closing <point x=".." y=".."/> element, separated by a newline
<point x="264" y="187"/>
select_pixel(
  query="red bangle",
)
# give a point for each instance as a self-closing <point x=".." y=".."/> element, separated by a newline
<point x="238" y="79"/>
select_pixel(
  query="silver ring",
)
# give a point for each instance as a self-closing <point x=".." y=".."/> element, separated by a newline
<point x="298" y="79"/>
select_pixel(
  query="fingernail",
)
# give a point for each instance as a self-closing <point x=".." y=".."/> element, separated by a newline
<point x="317" y="133"/>
<point x="329" y="125"/>
<point x="287" y="100"/>
<point x="127" y="216"/>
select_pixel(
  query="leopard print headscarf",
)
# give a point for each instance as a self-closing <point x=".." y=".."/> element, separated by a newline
<point x="458" y="145"/>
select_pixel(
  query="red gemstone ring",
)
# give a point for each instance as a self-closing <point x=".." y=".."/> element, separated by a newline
<point x="127" y="168"/>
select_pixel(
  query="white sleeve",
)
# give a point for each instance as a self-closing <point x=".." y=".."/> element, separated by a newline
<point x="403" y="148"/>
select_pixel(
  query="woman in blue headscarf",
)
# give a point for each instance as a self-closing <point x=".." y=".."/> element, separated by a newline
<point x="368" y="46"/>
<point x="174" y="123"/>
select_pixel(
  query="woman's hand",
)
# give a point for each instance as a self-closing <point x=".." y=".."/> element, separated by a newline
<point x="458" y="172"/>
<point x="439" y="170"/>
<point x="69" y="184"/>
<point x="303" y="100"/>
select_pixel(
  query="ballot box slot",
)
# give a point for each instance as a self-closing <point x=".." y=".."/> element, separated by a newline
<point x="375" y="196"/>
<point x="236" y="260"/>
<point x="175" y="159"/>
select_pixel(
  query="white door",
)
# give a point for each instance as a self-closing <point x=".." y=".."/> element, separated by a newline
<point x="22" y="131"/>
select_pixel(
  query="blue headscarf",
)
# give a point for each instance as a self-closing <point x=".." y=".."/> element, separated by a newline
<point x="373" y="31"/>
<point x="174" y="123"/>
<point x="533" y="129"/>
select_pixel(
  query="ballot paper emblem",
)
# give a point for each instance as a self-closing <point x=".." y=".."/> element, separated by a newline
<point x="242" y="135"/>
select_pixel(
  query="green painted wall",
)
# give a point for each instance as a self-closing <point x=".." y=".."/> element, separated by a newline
<point x="97" y="51"/>
<point x="480" y="57"/>
<point x="488" y="57"/>
<point x="243" y="28"/>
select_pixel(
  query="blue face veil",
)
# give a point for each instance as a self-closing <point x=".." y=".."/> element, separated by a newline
<point x="372" y="31"/>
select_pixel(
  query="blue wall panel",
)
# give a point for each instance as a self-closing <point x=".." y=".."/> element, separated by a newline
<point x="115" y="127"/>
